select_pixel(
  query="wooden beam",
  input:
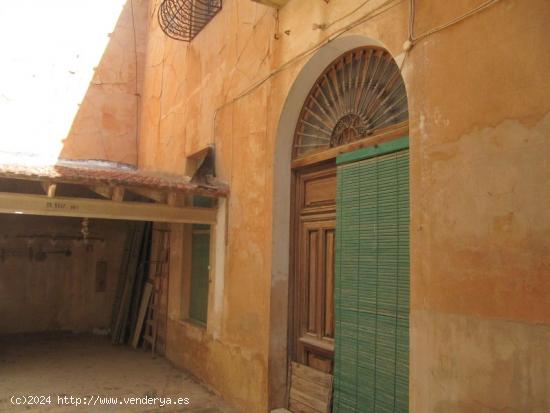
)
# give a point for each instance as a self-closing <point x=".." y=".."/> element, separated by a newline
<point x="381" y="137"/>
<point x="96" y="208"/>
<point x="104" y="191"/>
<point x="157" y="196"/>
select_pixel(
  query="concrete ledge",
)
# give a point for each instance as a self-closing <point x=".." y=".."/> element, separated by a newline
<point x="272" y="3"/>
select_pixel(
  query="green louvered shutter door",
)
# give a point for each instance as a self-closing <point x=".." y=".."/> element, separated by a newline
<point x="372" y="281"/>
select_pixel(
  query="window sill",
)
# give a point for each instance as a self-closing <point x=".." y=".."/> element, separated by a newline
<point x="188" y="322"/>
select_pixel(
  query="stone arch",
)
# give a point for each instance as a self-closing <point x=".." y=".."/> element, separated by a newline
<point x="282" y="172"/>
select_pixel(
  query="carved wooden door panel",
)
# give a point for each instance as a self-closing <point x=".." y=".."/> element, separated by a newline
<point x="313" y="309"/>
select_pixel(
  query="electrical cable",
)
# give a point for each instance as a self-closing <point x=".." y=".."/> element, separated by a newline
<point x="452" y="22"/>
<point x="344" y="16"/>
<point x="412" y="11"/>
<point x="387" y="5"/>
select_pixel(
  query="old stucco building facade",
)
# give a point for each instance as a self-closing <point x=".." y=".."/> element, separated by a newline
<point x="479" y="126"/>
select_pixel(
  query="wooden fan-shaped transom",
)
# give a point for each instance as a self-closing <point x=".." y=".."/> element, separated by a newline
<point x="360" y="93"/>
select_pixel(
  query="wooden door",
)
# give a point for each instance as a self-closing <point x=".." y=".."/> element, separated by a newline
<point x="314" y="222"/>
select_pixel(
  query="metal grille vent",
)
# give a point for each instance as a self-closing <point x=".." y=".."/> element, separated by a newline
<point x="184" y="19"/>
<point x="360" y="94"/>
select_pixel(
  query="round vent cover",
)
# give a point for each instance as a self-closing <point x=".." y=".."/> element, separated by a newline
<point x="184" y="19"/>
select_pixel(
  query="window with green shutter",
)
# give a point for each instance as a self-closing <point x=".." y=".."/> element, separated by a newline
<point x="372" y="280"/>
<point x="200" y="268"/>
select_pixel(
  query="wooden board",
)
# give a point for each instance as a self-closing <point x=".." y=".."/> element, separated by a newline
<point x="310" y="390"/>
<point x="145" y="298"/>
<point x="122" y="306"/>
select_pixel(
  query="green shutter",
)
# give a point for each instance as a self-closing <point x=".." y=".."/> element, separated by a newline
<point x="371" y="372"/>
<point x="200" y="263"/>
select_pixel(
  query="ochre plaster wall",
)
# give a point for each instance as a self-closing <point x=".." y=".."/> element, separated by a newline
<point x="57" y="293"/>
<point x="71" y="76"/>
<point x="479" y="128"/>
<point x="479" y="94"/>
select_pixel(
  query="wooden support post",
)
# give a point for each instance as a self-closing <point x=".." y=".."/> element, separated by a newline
<point x="118" y="194"/>
<point x="172" y="199"/>
<point x="51" y="190"/>
<point x="157" y="196"/>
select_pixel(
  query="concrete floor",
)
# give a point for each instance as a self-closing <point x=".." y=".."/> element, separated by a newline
<point x="89" y="367"/>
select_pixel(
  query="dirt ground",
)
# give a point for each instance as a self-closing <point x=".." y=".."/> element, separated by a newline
<point x="101" y="377"/>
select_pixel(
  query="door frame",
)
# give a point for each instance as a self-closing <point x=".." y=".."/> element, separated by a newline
<point x="320" y="159"/>
<point x="283" y="180"/>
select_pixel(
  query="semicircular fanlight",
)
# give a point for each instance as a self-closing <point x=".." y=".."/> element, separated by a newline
<point x="359" y="94"/>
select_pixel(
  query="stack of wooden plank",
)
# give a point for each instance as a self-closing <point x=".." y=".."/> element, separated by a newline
<point x="133" y="277"/>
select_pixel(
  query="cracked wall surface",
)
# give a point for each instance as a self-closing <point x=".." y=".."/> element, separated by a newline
<point x="479" y="104"/>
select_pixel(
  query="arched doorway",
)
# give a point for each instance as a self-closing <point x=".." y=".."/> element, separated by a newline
<point x="349" y="276"/>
